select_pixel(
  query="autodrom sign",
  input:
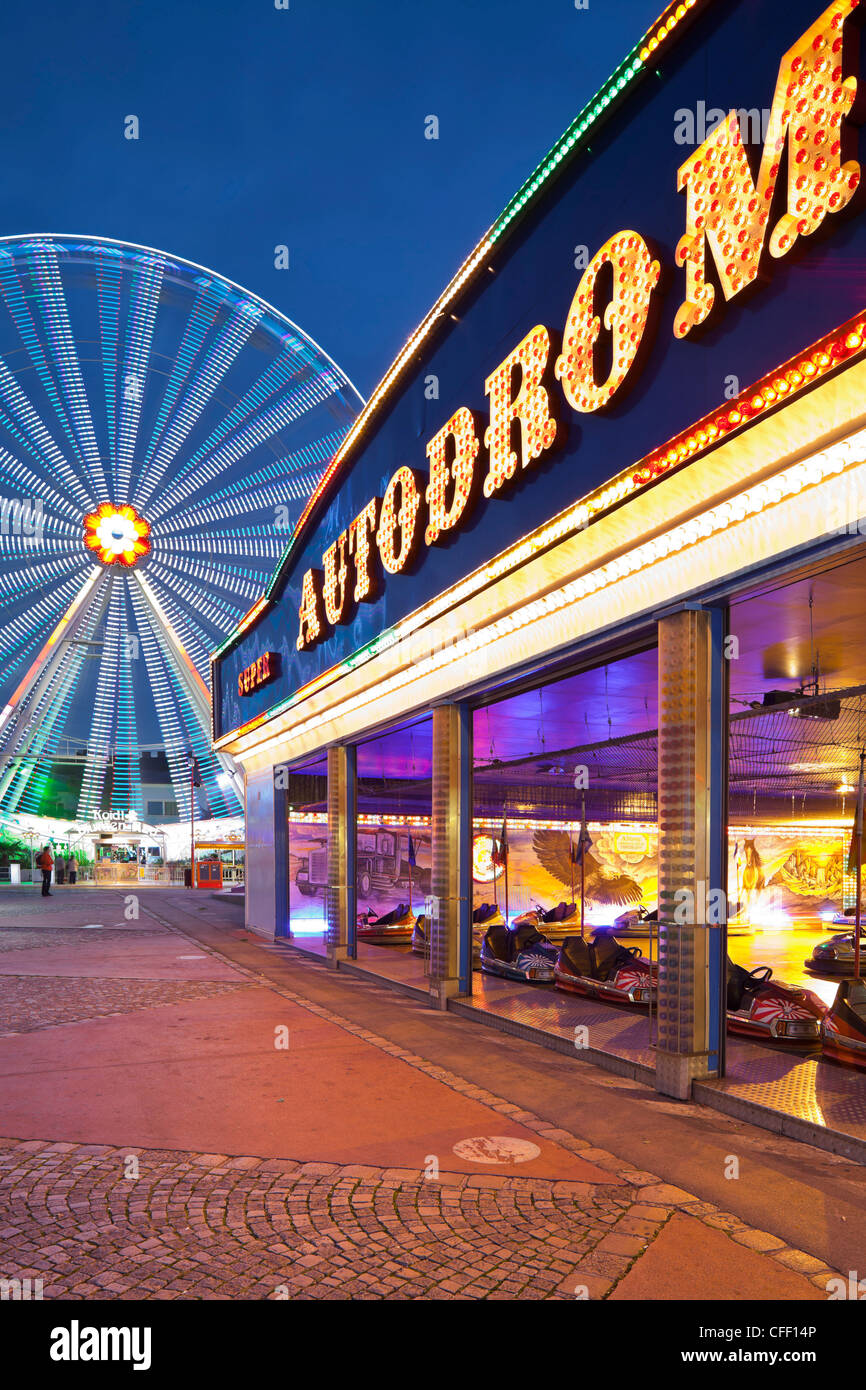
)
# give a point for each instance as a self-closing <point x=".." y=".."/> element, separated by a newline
<point x="729" y="222"/>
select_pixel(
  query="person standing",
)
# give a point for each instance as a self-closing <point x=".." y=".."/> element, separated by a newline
<point x="45" y="862"/>
<point x="72" y="869"/>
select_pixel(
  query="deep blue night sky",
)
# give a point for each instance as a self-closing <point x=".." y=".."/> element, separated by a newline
<point x="302" y="127"/>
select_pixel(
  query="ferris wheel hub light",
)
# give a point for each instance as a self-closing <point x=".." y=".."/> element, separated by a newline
<point x="117" y="534"/>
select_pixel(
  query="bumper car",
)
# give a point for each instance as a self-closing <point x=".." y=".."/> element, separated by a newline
<point x="420" y="934"/>
<point x="845" y="918"/>
<point x="635" y="921"/>
<point x="602" y="968"/>
<point x="640" y="921"/>
<point x="761" y="1007"/>
<point x="392" y="927"/>
<point x="518" y="953"/>
<point x="550" y="921"/>
<point x="836" y="955"/>
<point x="843" y="1030"/>
<point x="488" y="914"/>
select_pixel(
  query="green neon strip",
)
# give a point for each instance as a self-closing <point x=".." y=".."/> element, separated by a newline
<point x="224" y="648"/>
<point x="578" y="132"/>
<point x="272" y="583"/>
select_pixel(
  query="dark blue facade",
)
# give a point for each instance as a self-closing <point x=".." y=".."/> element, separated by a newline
<point x="729" y="58"/>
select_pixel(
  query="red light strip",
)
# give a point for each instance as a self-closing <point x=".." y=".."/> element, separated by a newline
<point x="790" y="379"/>
<point x="783" y="384"/>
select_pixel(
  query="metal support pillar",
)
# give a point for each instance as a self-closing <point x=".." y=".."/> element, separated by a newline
<point x="692" y="819"/>
<point x="342" y="826"/>
<point x="451" y="878"/>
<point x="282" y="924"/>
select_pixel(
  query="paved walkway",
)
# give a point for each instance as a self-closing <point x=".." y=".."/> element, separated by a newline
<point x="195" y="1113"/>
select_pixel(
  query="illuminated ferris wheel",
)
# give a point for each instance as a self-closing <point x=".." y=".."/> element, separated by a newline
<point x="160" y="431"/>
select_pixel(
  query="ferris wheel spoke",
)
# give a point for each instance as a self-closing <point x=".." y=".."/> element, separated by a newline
<point x="22" y="634"/>
<point x="140" y="324"/>
<point x="172" y="591"/>
<point x="163" y="688"/>
<point x="278" y="376"/>
<point x="17" y="770"/>
<point x="196" y="642"/>
<point x="184" y="721"/>
<point x="304" y="467"/>
<point x="228" y="579"/>
<point x="30" y="776"/>
<point x="24" y="777"/>
<point x="19" y="550"/>
<point x="195" y="608"/>
<point x="109" y="278"/>
<point x="32" y="436"/>
<point x="54" y="312"/>
<point x="231" y="509"/>
<point x="209" y="297"/>
<point x="22" y="581"/>
<point x="275" y="483"/>
<point x="102" y="722"/>
<point x="254" y="544"/>
<point x="175" y="650"/>
<point x="209" y="464"/>
<point x="28" y="519"/>
<point x="17" y="304"/>
<point x="126" y="793"/>
<point x="221" y="355"/>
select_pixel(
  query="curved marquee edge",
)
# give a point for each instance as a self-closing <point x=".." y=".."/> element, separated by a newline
<point x="671" y="23"/>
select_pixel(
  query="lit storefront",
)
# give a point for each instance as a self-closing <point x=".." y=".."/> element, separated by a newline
<point x="575" y="614"/>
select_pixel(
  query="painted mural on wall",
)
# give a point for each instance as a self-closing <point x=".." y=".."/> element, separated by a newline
<point x="384" y="869"/>
<point x="775" y="877"/>
<point x="620" y="871"/>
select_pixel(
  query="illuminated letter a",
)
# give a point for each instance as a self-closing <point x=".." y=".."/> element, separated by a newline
<point x="310" y="612"/>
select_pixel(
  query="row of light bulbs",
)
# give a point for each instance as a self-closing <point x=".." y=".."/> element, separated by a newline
<point x="723" y="517"/>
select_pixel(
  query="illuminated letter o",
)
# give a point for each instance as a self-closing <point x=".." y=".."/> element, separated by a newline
<point x="635" y="276"/>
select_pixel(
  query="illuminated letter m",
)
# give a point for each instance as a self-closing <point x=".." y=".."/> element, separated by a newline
<point x="727" y="211"/>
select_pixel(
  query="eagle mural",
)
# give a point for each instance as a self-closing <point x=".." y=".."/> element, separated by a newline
<point x="605" y="886"/>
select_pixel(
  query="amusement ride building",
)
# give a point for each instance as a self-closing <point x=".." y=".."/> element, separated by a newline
<point x="597" y="539"/>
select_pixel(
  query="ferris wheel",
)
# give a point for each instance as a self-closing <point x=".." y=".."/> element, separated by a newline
<point x="160" y="432"/>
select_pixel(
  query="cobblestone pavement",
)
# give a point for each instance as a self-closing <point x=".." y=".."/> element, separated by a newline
<point x="205" y="1226"/>
<point x="28" y="1002"/>
<point x="106" y="1222"/>
<point x="93" y="1221"/>
<point x="61" y="909"/>
<point x="52" y="938"/>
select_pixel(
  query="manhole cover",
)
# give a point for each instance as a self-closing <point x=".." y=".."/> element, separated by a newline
<point x="496" y="1148"/>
